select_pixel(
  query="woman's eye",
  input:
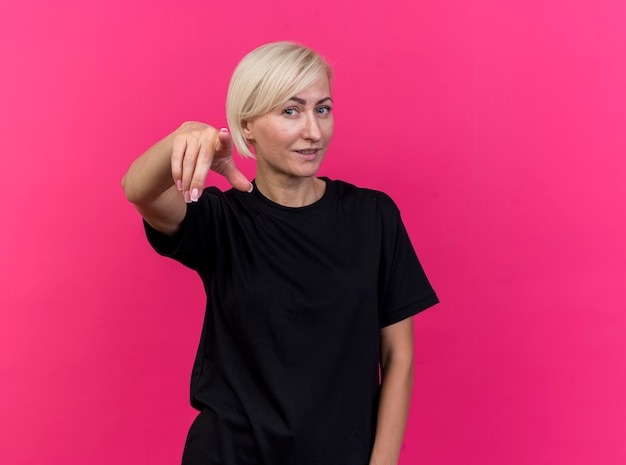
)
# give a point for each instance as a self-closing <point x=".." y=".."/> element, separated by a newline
<point x="289" y="111"/>
<point x="323" y="110"/>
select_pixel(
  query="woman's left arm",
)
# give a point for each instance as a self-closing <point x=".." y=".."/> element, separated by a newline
<point x="395" y="394"/>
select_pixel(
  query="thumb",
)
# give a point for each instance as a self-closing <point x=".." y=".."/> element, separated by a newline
<point x="236" y="178"/>
<point x="227" y="168"/>
<point x="224" y="143"/>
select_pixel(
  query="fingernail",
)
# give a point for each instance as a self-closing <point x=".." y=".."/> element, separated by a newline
<point x="194" y="194"/>
<point x="251" y="188"/>
<point x="224" y="130"/>
<point x="179" y="185"/>
<point x="187" y="196"/>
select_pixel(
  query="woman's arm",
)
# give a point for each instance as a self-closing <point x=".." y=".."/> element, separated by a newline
<point x="174" y="171"/>
<point x="395" y="394"/>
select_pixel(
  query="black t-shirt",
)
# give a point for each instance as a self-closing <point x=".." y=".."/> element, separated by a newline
<point x="287" y="371"/>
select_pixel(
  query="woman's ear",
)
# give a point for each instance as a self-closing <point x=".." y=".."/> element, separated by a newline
<point x="247" y="130"/>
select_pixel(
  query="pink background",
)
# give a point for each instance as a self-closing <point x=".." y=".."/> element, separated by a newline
<point x="498" y="128"/>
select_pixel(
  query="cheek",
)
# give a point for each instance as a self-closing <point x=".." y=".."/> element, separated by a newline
<point x="281" y="134"/>
<point x="329" y="128"/>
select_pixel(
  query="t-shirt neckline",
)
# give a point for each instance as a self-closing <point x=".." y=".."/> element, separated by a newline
<point x="316" y="207"/>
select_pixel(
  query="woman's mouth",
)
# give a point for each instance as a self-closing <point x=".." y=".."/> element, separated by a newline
<point x="308" y="154"/>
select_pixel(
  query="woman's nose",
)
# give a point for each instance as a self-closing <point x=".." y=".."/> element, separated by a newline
<point x="311" y="130"/>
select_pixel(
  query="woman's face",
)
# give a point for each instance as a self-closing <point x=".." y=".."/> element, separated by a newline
<point x="292" y="140"/>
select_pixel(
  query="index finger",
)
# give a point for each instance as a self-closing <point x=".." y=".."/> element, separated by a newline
<point x="176" y="160"/>
<point x="201" y="170"/>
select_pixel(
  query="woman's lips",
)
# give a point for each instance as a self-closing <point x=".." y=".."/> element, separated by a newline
<point x="308" y="154"/>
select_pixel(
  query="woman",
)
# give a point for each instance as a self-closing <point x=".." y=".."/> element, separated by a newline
<point x="311" y="283"/>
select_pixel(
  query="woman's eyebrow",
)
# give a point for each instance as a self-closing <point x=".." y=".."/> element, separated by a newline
<point x="303" y="102"/>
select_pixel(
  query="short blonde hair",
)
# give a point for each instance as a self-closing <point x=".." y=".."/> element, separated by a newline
<point x="266" y="78"/>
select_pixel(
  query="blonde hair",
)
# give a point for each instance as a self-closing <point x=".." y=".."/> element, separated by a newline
<point x="266" y="78"/>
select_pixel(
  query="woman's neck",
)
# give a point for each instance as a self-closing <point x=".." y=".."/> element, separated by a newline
<point x="291" y="192"/>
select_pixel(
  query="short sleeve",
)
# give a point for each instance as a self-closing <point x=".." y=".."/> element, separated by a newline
<point x="405" y="289"/>
<point x="194" y="244"/>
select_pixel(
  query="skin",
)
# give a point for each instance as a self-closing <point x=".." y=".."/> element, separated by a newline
<point x="174" y="170"/>
<point x="290" y="144"/>
<point x="395" y="395"/>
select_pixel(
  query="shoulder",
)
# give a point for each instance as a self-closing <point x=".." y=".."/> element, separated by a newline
<point x="213" y="197"/>
<point x="364" y="197"/>
<point x="212" y="205"/>
<point x="226" y="204"/>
